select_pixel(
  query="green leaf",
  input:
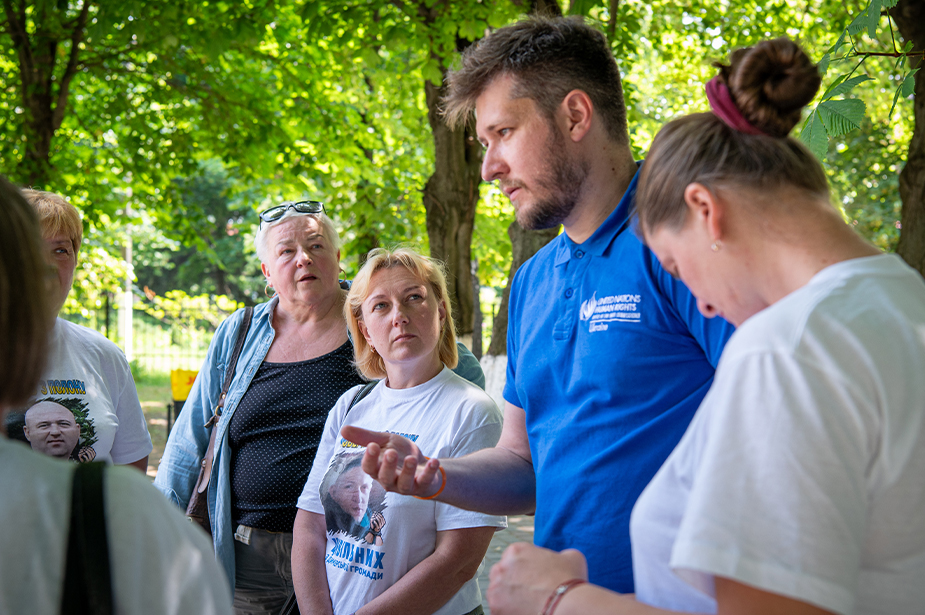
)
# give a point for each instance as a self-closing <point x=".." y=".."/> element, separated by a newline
<point x="580" y="7"/>
<point x="908" y="86"/>
<point x="843" y="87"/>
<point x="834" y="49"/>
<point x="823" y="65"/>
<point x="873" y="17"/>
<point x="841" y="116"/>
<point x="858" y="24"/>
<point x="814" y="135"/>
<point x="888" y="4"/>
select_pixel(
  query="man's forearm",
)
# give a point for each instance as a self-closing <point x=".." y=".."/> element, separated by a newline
<point x="495" y="481"/>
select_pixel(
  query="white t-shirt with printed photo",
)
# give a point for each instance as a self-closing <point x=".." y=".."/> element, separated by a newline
<point x="88" y="375"/>
<point x="374" y="538"/>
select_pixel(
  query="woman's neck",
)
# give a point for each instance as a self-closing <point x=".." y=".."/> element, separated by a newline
<point x="792" y="252"/>
<point x="307" y="331"/>
<point x="411" y="374"/>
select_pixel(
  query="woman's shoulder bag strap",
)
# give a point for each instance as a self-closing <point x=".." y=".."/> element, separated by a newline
<point x="198" y="508"/>
<point x="87" y="580"/>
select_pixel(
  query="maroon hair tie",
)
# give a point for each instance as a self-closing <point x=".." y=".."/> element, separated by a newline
<point x="724" y="108"/>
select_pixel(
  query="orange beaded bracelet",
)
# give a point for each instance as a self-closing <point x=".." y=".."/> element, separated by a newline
<point x="442" y="485"/>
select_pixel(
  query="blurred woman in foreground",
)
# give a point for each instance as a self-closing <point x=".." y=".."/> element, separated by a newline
<point x="157" y="562"/>
<point x="798" y="486"/>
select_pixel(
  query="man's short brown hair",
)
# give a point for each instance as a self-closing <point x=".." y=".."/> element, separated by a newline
<point x="548" y="58"/>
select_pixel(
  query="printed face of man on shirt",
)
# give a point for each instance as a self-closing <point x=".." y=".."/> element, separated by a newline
<point x="51" y="429"/>
<point x="351" y="492"/>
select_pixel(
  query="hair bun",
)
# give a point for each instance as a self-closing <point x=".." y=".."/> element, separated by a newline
<point x="771" y="83"/>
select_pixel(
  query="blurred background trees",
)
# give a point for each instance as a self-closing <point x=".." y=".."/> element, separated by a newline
<point x="169" y="123"/>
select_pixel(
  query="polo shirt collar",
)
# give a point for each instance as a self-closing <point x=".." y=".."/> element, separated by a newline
<point x="616" y="223"/>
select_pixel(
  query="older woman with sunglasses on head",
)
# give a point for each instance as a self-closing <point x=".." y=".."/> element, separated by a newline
<point x="798" y="487"/>
<point x="296" y="362"/>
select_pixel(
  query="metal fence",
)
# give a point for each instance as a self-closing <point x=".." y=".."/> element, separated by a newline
<point x="162" y="340"/>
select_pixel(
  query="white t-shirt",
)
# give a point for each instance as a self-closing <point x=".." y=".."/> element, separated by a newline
<point x="444" y="417"/>
<point x="803" y="471"/>
<point x="88" y="375"/>
<point x="160" y="563"/>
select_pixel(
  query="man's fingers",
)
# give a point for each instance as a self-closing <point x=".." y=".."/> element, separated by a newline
<point x="364" y="437"/>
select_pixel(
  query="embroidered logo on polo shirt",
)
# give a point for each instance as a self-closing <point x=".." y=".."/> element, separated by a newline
<point x="613" y="308"/>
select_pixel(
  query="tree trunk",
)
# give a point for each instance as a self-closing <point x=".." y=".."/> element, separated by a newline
<point x="44" y="93"/>
<point x="525" y="244"/>
<point x="910" y="18"/>
<point x="450" y="197"/>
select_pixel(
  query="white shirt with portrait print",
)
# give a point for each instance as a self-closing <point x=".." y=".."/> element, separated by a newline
<point x="445" y="417"/>
<point x="85" y="366"/>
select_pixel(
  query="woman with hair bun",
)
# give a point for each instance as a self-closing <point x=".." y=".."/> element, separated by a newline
<point x="798" y="486"/>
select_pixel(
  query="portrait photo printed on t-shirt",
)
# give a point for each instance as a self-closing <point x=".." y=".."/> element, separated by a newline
<point x="353" y="502"/>
<point x="55" y="426"/>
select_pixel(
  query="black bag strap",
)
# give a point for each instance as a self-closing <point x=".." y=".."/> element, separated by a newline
<point x="369" y="386"/>
<point x="87" y="580"/>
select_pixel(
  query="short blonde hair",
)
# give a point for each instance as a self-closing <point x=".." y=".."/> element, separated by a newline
<point x="428" y="270"/>
<point x="56" y="215"/>
<point x="24" y="309"/>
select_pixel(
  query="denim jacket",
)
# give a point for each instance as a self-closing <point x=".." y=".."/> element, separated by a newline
<point x="179" y="467"/>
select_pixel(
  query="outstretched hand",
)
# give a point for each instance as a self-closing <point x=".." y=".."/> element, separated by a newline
<point x="395" y="462"/>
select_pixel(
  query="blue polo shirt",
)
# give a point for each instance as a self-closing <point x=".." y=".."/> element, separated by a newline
<point x="609" y="358"/>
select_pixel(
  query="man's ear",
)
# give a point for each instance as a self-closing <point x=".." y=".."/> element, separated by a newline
<point x="704" y="207"/>
<point x="577" y="110"/>
<point x="25" y="432"/>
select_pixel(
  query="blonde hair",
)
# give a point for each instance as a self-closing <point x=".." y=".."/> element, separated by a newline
<point x="428" y="270"/>
<point x="24" y="322"/>
<point x="56" y="215"/>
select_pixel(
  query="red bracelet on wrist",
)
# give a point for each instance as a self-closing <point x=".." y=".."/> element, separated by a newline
<point x="553" y="601"/>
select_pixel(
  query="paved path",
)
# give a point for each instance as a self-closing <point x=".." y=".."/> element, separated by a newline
<point x="519" y="529"/>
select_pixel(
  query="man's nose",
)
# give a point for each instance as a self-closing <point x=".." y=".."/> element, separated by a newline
<point x="493" y="165"/>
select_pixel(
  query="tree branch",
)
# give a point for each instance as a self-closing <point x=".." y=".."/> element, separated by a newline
<point x="71" y="69"/>
<point x="17" y="30"/>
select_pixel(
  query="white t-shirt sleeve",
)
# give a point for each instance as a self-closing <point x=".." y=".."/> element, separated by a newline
<point x="132" y="440"/>
<point x="484" y="435"/>
<point x="779" y="499"/>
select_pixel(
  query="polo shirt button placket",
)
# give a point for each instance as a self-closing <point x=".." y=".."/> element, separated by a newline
<point x="580" y="254"/>
<point x="569" y="292"/>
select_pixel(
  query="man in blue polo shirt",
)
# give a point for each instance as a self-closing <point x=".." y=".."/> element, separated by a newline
<point x="608" y="355"/>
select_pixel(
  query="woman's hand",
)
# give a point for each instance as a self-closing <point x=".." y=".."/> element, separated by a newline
<point x="395" y="462"/>
<point x="526" y="576"/>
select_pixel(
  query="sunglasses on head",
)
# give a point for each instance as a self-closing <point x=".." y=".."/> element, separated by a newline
<point x="303" y="207"/>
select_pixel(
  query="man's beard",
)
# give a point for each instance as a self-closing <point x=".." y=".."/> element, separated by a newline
<point x="563" y="185"/>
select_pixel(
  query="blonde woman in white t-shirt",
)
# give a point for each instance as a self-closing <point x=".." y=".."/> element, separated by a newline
<point x="87" y="376"/>
<point x="798" y="487"/>
<point x="356" y="548"/>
